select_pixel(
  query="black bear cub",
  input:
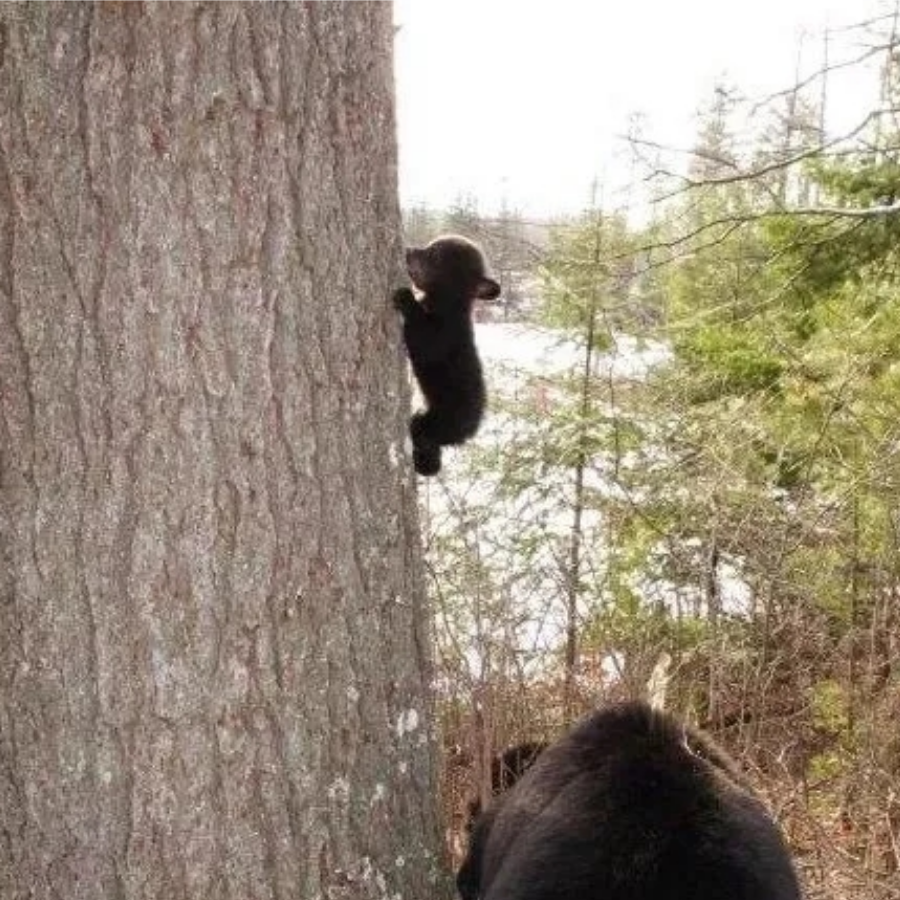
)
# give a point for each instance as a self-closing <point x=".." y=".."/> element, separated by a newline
<point x="440" y="341"/>
<point x="630" y="805"/>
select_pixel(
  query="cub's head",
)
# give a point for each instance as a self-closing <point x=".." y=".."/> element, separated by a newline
<point x="451" y="265"/>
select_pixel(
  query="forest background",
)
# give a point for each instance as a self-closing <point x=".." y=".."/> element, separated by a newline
<point x="217" y="675"/>
<point x="690" y="481"/>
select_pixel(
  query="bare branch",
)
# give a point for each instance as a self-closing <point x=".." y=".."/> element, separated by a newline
<point x="689" y="183"/>
<point x="821" y="72"/>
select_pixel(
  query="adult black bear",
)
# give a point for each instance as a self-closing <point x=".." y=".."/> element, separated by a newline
<point x="440" y="341"/>
<point x="630" y="805"/>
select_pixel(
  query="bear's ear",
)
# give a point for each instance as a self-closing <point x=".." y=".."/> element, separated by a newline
<point x="487" y="289"/>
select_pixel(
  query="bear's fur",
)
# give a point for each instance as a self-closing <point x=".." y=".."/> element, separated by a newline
<point x="507" y="767"/>
<point x="630" y="805"/>
<point x="440" y="340"/>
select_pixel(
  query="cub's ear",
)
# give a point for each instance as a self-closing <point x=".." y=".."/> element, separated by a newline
<point x="487" y="289"/>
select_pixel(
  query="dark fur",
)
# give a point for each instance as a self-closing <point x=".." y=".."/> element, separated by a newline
<point x="440" y="341"/>
<point x="630" y="805"/>
<point x="506" y="769"/>
<point x="510" y="765"/>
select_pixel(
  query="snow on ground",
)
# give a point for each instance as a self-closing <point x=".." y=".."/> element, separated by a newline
<point x="543" y="351"/>
<point x="525" y="606"/>
<point x="494" y="523"/>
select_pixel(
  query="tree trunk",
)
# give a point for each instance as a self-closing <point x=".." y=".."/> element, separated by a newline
<point x="214" y="662"/>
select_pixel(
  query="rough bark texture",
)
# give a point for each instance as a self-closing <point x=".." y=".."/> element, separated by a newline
<point x="213" y="649"/>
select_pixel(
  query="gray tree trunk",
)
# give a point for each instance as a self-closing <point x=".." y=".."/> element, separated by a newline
<point x="214" y="662"/>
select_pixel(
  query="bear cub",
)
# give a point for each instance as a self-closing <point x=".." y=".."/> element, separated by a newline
<point x="440" y="341"/>
<point x="630" y="805"/>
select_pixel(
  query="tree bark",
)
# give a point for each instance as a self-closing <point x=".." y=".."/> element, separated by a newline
<point x="214" y="660"/>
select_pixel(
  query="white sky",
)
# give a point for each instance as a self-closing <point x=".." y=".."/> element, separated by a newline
<point x="524" y="100"/>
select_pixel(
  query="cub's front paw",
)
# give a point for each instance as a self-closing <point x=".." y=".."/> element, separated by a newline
<point x="402" y="298"/>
